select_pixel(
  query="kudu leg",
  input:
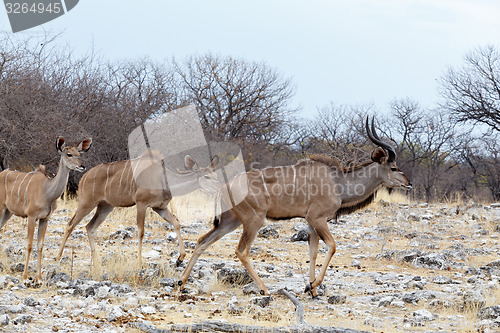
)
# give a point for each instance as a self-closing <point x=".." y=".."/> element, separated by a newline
<point x="81" y="212"/>
<point x="100" y="215"/>
<point x="313" y="241"/>
<point x="141" y="217"/>
<point x="170" y="218"/>
<point x="5" y="215"/>
<point x="243" y="250"/>
<point x="42" y="227"/>
<point x="228" y="222"/>
<point x="31" y="232"/>
<point x="321" y="227"/>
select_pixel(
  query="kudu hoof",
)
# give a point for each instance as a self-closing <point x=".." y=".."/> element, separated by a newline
<point x="262" y="292"/>
<point x="179" y="283"/>
<point x="308" y="288"/>
<point x="32" y="283"/>
<point x="178" y="263"/>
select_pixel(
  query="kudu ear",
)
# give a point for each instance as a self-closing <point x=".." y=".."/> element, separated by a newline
<point x="379" y="155"/>
<point x="190" y="164"/>
<point x="60" y="143"/>
<point x="84" y="145"/>
<point x="214" y="162"/>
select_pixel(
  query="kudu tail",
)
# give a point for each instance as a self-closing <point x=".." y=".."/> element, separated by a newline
<point x="218" y="207"/>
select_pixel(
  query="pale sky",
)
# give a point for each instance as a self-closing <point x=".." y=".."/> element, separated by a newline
<point x="341" y="51"/>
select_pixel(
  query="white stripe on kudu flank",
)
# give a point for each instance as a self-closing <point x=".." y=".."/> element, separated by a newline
<point x="129" y="179"/>
<point x="309" y="187"/>
<point x="93" y="185"/>
<point x="15" y="180"/>
<point x="19" y="187"/>
<point x="26" y="189"/>
<point x="249" y="205"/>
<point x="134" y="173"/>
<point x="306" y="185"/>
<point x="84" y="179"/>
<point x="264" y="183"/>
<point x="106" y="185"/>
<point x="123" y="171"/>
<point x="7" y="175"/>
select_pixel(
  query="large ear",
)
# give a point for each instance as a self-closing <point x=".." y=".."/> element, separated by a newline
<point x="379" y="155"/>
<point x="190" y="164"/>
<point x="214" y="162"/>
<point x="84" y="145"/>
<point x="60" y="143"/>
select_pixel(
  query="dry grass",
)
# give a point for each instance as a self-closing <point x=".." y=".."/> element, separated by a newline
<point x="120" y="263"/>
<point x="394" y="197"/>
<point x="194" y="206"/>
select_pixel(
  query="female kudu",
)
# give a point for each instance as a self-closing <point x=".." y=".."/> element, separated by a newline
<point x="33" y="195"/>
<point x="120" y="184"/>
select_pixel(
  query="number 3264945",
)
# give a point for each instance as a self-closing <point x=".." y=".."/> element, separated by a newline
<point x="25" y="8"/>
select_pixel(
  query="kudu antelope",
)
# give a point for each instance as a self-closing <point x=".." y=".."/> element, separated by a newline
<point x="111" y="185"/>
<point x="33" y="195"/>
<point x="316" y="189"/>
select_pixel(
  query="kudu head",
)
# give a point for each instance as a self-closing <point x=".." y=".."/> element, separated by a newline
<point x="385" y="156"/>
<point x="71" y="156"/>
<point x="207" y="178"/>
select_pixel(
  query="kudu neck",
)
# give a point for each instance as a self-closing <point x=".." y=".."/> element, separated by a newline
<point x="54" y="187"/>
<point x="360" y="183"/>
<point x="180" y="184"/>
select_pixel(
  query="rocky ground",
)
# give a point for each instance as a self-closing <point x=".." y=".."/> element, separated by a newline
<point x="399" y="267"/>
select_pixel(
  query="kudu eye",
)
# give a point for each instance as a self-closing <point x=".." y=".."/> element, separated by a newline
<point x="69" y="155"/>
<point x="394" y="169"/>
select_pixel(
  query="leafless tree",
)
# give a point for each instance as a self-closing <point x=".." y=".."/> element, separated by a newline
<point x="431" y="152"/>
<point x="46" y="92"/>
<point x="406" y="122"/>
<point x="135" y="90"/>
<point x="491" y="164"/>
<point x="236" y="99"/>
<point x="482" y="156"/>
<point x="338" y="131"/>
<point x="472" y="93"/>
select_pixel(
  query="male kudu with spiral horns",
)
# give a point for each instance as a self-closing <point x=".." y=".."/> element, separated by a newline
<point x="317" y="189"/>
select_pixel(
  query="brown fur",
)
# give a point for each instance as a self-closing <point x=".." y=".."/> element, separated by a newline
<point x="360" y="205"/>
<point x="41" y="168"/>
<point x="334" y="162"/>
<point x="329" y="160"/>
